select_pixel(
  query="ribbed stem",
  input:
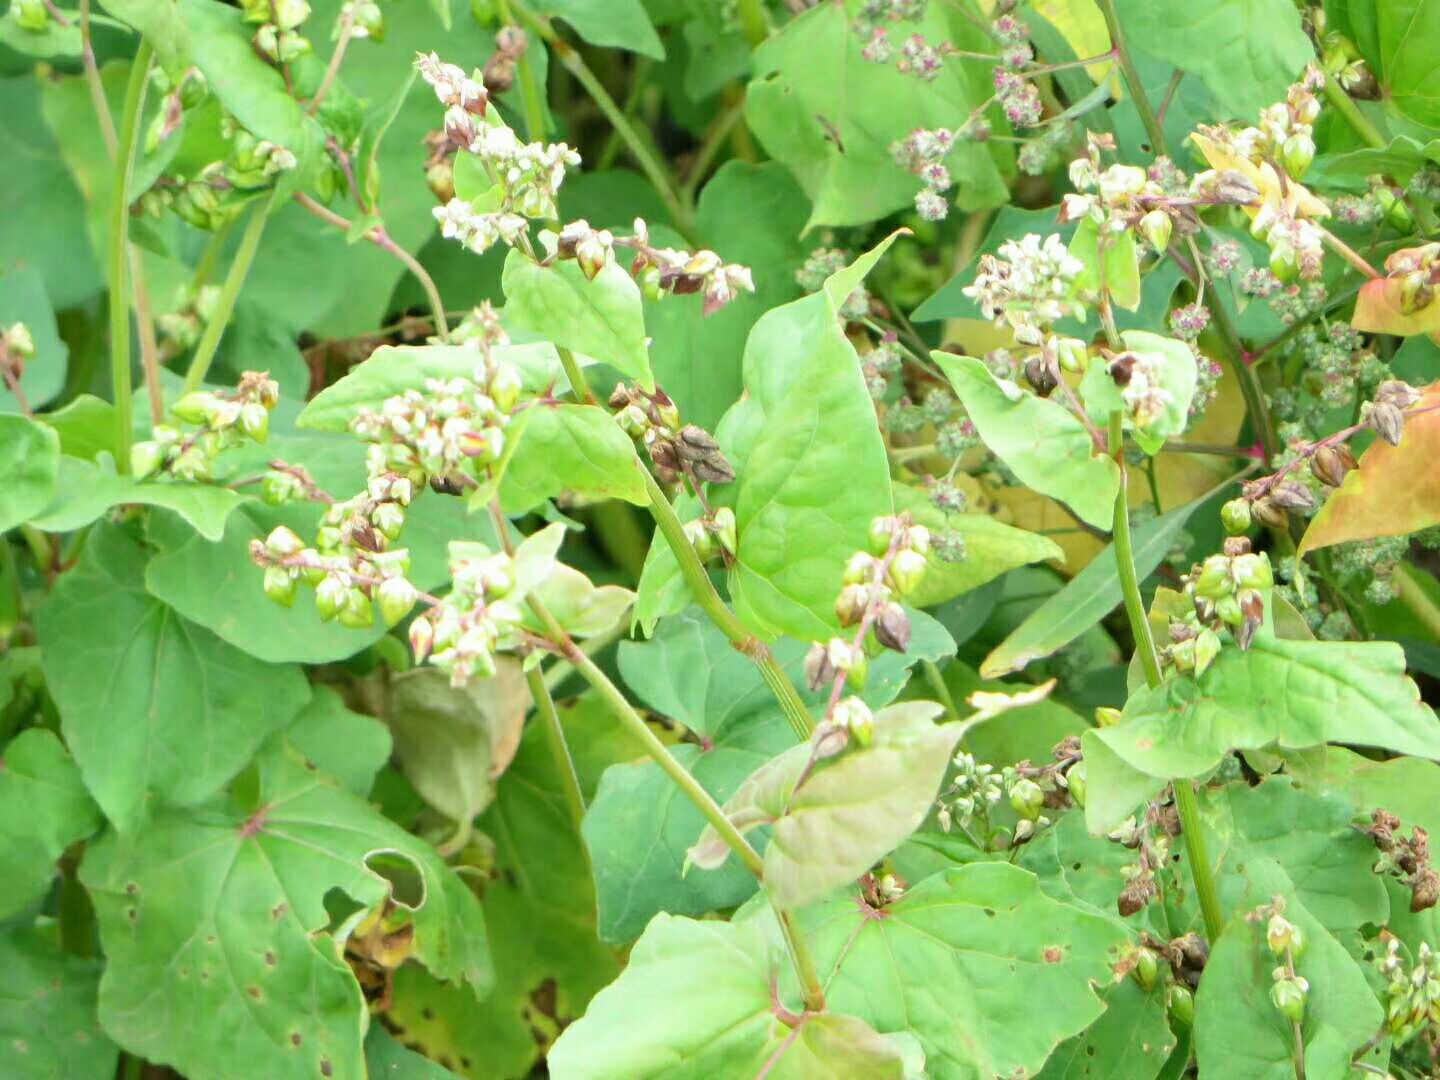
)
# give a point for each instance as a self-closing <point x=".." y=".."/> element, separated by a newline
<point x="559" y="749"/>
<point x="129" y="135"/>
<point x="1142" y="105"/>
<point x="1185" y="800"/>
<point x="229" y="293"/>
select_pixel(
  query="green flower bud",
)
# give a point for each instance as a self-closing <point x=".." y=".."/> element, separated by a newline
<point x="279" y="585"/>
<point x="1297" y="153"/>
<point x="880" y="530"/>
<point x="255" y="420"/>
<point x="859" y="669"/>
<point x="1228" y="609"/>
<point x="699" y="537"/>
<point x="725" y="529"/>
<point x="1281" y="934"/>
<point x="859" y="569"/>
<point x="195" y="407"/>
<point x="1071" y="353"/>
<point x="505" y="387"/>
<point x="145" y="459"/>
<point x="282" y="542"/>
<point x="853" y="715"/>
<point x="1214" y="579"/>
<point x="396" y="596"/>
<point x="1398" y="216"/>
<point x="907" y="570"/>
<point x="1180" y="1005"/>
<point x="331" y="597"/>
<point x="1075" y="783"/>
<point x="358" y="612"/>
<point x="31" y="15"/>
<point x="1283" y="263"/>
<point x="1235" y="516"/>
<point x="1182" y="655"/>
<point x="1288" y="995"/>
<point x="1207" y="648"/>
<point x="1027" y="798"/>
<point x="1156" y="228"/>
<point x="850" y="605"/>
<point x="633" y="421"/>
<point x="422" y="638"/>
<point x="1251" y="571"/>
<point x="1105" y="716"/>
<point x="1146" y="969"/>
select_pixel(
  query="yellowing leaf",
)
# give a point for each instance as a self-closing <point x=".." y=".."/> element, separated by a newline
<point x="1380" y="310"/>
<point x="1296" y="198"/>
<point x="1395" y="491"/>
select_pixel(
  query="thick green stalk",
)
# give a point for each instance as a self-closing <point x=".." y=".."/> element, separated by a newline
<point x="1185" y="801"/>
<point x="1148" y="117"/>
<point x="1336" y="95"/>
<point x="229" y="293"/>
<point x="120" y="249"/>
<point x="555" y="736"/>
<point x="657" y="750"/>
<point x="575" y="374"/>
<point x="702" y="590"/>
<point x="660" y="754"/>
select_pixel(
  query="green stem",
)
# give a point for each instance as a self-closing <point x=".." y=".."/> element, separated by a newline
<point x="1336" y="95"/>
<point x="1185" y="800"/>
<point x="573" y="372"/>
<point x="656" y="749"/>
<point x="1152" y="124"/>
<point x="120" y="249"/>
<point x="752" y="21"/>
<point x="229" y="293"/>
<point x="555" y="736"/>
<point x="702" y="590"/>
<point x="804" y="963"/>
<point x="529" y="88"/>
<point x="936" y="679"/>
<point x="650" y="164"/>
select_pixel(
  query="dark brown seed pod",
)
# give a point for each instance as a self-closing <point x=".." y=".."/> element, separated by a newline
<point x="1040" y="376"/>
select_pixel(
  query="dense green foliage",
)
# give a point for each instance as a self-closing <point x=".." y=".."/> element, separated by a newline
<point x="719" y="538"/>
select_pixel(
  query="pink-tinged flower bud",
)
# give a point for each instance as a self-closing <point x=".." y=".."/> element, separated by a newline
<point x="850" y="605"/>
<point x="892" y="628"/>
<point x="422" y="638"/>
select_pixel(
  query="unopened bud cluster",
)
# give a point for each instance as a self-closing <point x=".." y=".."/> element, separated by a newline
<point x="220" y="420"/>
<point x="922" y="153"/>
<point x="1289" y="990"/>
<point x="1285" y="216"/>
<point x="871" y="585"/>
<point x="678" y="451"/>
<point x="1412" y="993"/>
<point x="278" y="37"/>
<point x="462" y="633"/>
<point x="17" y="347"/>
<point x="1226" y="591"/>
<point x="1030" y="790"/>
<point x="1386" y="414"/>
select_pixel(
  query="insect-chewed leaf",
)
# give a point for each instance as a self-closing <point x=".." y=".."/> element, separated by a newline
<point x="217" y="932"/>
<point x="48" y="1026"/>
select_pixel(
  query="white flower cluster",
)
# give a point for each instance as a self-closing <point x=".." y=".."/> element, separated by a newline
<point x="1145" y="399"/>
<point x="527" y="175"/>
<point x="462" y="633"/>
<point x="223" y="421"/>
<point x="922" y="153"/>
<point x="1027" y="285"/>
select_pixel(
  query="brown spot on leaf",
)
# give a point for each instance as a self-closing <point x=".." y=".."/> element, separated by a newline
<point x="254" y="992"/>
<point x="270" y="958"/>
<point x="279" y="910"/>
<point x="254" y="823"/>
<point x="1052" y="954"/>
<point x="295" y="1038"/>
<point x="326" y="1069"/>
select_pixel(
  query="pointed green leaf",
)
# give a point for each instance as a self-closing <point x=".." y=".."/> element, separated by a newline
<point x="394" y="369"/>
<point x="86" y="491"/>
<point x="576" y="448"/>
<point x="44" y="808"/>
<point x="29" y="461"/>
<point x="704" y="991"/>
<point x="196" y="708"/>
<point x="1039" y="439"/>
<point x="1131" y="1040"/>
<point x="849" y="812"/>
<point x="621" y="24"/>
<point x="812" y="470"/>
<point x="988" y="972"/>
<point x="639" y="825"/>
<point x="601" y="317"/>
<point x="216" y="930"/>
<point x="1122" y="266"/>
<point x="1294" y="694"/>
<point x="349" y="746"/>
